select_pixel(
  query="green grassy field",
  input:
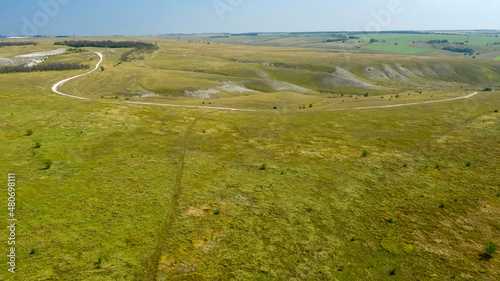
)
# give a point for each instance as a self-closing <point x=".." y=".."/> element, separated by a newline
<point x="497" y="58"/>
<point x="137" y="192"/>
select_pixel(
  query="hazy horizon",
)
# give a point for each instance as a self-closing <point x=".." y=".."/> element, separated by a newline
<point x="151" y="17"/>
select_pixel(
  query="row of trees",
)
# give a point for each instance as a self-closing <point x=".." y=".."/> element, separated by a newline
<point x="103" y="44"/>
<point x="43" y="67"/>
<point x="459" y="50"/>
<point x="443" y="41"/>
<point x="8" y="44"/>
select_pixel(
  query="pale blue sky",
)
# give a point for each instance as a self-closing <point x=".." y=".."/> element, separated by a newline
<point x="144" y="17"/>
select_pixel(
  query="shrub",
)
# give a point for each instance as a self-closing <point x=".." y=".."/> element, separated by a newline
<point x="32" y="252"/>
<point x="392" y="220"/>
<point x="263" y="167"/>
<point x="496" y="110"/>
<point x="29" y="132"/>
<point x="47" y="164"/>
<point x="468" y="164"/>
<point x="405" y="165"/>
<point x="364" y="153"/>
<point x="217" y="212"/>
<point x="97" y="264"/>
<point x="37" y="145"/>
<point x="491" y="248"/>
<point x="366" y="95"/>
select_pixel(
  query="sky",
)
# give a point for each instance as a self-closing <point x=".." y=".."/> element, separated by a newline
<point x="151" y="17"/>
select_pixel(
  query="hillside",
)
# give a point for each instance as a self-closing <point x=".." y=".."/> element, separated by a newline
<point x="187" y="72"/>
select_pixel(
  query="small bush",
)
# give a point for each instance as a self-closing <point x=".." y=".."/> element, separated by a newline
<point x="366" y="95"/>
<point x="468" y="164"/>
<point x="442" y="205"/>
<point x="97" y="264"/>
<point x="32" y="252"/>
<point x="217" y="212"/>
<point x="491" y="248"/>
<point x="37" y="145"/>
<point x="392" y="272"/>
<point x="263" y="167"/>
<point x="496" y="110"/>
<point x="364" y="153"/>
<point x="405" y="165"/>
<point x="47" y="164"/>
<point x="392" y="220"/>
<point x="29" y="132"/>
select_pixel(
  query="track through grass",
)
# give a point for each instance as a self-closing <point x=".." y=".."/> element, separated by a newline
<point x="152" y="264"/>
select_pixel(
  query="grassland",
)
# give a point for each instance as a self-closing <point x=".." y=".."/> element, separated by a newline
<point x="264" y="195"/>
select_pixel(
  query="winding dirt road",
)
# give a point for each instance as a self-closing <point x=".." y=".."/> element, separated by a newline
<point x="60" y="83"/>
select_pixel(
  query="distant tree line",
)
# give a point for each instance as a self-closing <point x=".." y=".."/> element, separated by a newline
<point x="333" y="40"/>
<point x="444" y="41"/>
<point x="43" y="67"/>
<point x="8" y="44"/>
<point x="103" y="44"/>
<point x="459" y="50"/>
<point x="245" y="34"/>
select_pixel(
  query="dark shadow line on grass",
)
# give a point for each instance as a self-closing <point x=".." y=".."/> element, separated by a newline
<point x="154" y="257"/>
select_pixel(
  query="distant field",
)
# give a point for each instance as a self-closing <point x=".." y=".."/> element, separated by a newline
<point x="407" y="43"/>
<point x="497" y="58"/>
<point x="391" y="47"/>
